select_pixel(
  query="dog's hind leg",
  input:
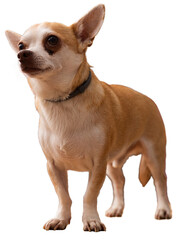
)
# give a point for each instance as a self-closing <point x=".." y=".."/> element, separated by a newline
<point x="155" y="159"/>
<point x="118" y="181"/>
<point x="115" y="173"/>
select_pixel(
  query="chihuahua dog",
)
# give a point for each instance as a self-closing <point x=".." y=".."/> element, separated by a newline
<point x="86" y="124"/>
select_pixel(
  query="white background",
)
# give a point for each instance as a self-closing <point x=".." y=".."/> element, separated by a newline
<point x="136" y="47"/>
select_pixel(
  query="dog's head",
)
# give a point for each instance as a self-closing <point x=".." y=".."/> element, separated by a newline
<point x="48" y="50"/>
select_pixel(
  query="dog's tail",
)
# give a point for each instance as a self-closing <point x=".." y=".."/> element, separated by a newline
<point x="144" y="172"/>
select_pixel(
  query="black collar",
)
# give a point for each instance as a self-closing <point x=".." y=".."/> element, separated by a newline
<point x="80" y="89"/>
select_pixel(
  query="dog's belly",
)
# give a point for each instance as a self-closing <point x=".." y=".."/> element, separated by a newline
<point x="73" y="151"/>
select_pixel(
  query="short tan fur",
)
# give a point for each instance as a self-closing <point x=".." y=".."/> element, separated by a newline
<point x="96" y="131"/>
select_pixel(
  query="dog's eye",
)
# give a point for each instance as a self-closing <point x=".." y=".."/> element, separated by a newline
<point x="52" y="40"/>
<point x="21" y="46"/>
<point x="52" y="44"/>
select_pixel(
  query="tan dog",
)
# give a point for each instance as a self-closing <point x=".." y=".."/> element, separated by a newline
<point x="88" y="125"/>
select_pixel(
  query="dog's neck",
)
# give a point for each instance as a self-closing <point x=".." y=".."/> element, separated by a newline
<point x="80" y="89"/>
<point x="61" y="84"/>
<point x="76" y="110"/>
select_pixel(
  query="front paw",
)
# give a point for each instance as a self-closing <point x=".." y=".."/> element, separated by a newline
<point x="94" y="226"/>
<point x="56" y="224"/>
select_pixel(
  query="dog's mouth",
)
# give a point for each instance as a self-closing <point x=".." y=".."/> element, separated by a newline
<point x="33" y="70"/>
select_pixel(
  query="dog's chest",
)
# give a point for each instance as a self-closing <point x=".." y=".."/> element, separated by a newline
<point x="70" y="140"/>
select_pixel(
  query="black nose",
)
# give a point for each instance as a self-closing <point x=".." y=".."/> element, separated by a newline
<point x="24" y="55"/>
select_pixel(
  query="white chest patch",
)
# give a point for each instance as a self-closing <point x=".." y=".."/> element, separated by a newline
<point x="71" y="141"/>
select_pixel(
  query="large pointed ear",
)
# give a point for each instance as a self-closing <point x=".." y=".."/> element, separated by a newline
<point x="13" y="39"/>
<point x="89" y="25"/>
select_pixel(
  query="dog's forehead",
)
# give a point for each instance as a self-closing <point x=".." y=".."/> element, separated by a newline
<point x="38" y="31"/>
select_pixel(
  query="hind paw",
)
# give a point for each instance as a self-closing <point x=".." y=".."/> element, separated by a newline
<point x="163" y="213"/>
<point x="114" y="212"/>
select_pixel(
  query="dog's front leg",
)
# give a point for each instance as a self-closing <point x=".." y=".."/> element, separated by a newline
<point x="91" y="220"/>
<point x="60" y="182"/>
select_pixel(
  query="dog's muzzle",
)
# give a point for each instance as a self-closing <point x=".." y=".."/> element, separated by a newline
<point x="29" y="63"/>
